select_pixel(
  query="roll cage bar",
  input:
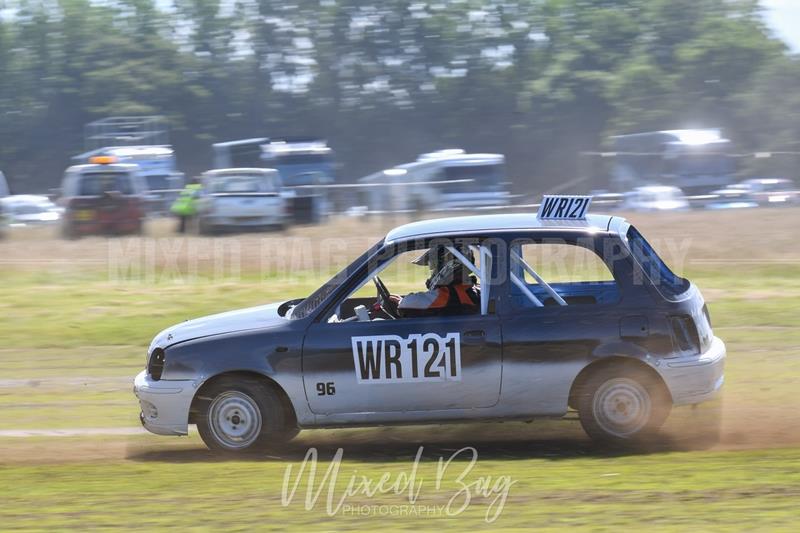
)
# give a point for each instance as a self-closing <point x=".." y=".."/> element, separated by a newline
<point x="483" y="273"/>
<point x="516" y="258"/>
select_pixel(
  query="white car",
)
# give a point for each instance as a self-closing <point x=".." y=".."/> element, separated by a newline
<point x="241" y="198"/>
<point x="30" y="210"/>
<point x="771" y="191"/>
<point x="656" y="198"/>
<point x="756" y="192"/>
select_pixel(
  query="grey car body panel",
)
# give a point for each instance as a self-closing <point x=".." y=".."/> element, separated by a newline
<point x="522" y="364"/>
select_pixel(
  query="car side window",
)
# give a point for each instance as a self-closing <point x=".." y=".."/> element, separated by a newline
<point x="411" y="280"/>
<point x="400" y="275"/>
<point x="559" y="273"/>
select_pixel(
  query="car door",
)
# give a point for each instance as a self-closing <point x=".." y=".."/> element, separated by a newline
<point x="406" y="364"/>
<point x="403" y="365"/>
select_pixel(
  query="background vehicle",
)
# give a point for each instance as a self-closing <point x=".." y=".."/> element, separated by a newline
<point x="300" y="160"/>
<point x="305" y="166"/>
<point x="655" y="198"/>
<point x="446" y="179"/>
<point x="103" y="197"/>
<point x="241" y="198"/>
<point x="243" y="153"/>
<point x="771" y="191"/>
<point x="3" y="214"/>
<point x="141" y="141"/>
<point x="3" y="186"/>
<point x="694" y="160"/>
<point x="30" y="210"/>
<point x="736" y="196"/>
<point x="755" y="192"/>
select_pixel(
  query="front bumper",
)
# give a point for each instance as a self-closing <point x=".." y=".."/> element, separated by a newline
<point x="244" y="221"/>
<point x="165" y="404"/>
<point x="696" y="378"/>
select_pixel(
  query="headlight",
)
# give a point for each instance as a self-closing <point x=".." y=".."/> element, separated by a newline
<point x="155" y="365"/>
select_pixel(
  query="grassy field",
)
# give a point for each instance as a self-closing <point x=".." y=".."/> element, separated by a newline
<point x="77" y="318"/>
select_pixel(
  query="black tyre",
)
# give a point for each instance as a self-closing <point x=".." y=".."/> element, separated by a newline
<point x="241" y="415"/>
<point x="622" y="405"/>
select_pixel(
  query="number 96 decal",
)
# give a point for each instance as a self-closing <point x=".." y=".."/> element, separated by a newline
<point x="419" y="357"/>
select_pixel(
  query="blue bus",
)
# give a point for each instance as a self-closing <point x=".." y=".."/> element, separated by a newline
<point x="300" y="160"/>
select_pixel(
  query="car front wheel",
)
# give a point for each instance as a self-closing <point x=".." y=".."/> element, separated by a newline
<point x="243" y="415"/>
<point x="621" y="405"/>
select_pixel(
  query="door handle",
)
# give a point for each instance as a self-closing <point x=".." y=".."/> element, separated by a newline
<point x="475" y="334"/>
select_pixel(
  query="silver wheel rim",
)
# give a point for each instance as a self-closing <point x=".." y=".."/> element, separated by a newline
<point x="621" y="407"/>
<point x="234" y="419"/>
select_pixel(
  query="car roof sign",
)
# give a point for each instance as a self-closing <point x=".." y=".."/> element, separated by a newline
<point x="563" y="207"/>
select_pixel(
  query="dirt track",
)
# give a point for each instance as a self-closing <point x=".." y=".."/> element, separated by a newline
<point x="744" y="428"/>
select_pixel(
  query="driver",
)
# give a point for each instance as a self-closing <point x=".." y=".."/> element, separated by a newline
<point x="451" y="288"/>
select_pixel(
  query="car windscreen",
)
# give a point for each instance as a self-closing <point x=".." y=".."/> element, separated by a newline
<point x="310" y="304"/>
<point x="242" y="183"/>
<point x="100" y="183"/>
<point x="302" y="159"/>
<point x="666" y="282"/>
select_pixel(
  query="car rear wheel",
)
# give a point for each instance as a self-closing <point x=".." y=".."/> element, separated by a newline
<point x="240" y="415"/>
<point x="622" y="405"/>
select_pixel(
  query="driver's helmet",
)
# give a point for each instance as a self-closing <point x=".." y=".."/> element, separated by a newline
<point x="446" y="269"/>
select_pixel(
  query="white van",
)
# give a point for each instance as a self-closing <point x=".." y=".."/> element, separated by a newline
<point x="447" y="179"/>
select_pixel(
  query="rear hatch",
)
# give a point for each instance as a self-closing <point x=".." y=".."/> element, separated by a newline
<point x="247" y="205"/>
<point x="105" y="194"/>
<point x="244" y="195"/>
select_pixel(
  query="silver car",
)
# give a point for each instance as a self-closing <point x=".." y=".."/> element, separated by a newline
<point x="241" y="198"/>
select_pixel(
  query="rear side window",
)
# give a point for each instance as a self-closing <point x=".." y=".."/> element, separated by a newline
<point x="545" y="273"/>
<point x="667" y="283"/>
<point x="564" y="263"/>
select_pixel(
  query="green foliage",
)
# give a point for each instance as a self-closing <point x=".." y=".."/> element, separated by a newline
<point x="537" y="79"/>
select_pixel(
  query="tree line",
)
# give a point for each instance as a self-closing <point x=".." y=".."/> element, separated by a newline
<point x="537" y="80"/>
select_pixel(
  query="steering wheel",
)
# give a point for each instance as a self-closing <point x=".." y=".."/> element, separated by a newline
<point x="388" y="305"/>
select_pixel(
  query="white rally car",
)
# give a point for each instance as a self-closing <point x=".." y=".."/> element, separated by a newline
<point x="622" y="343"/>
